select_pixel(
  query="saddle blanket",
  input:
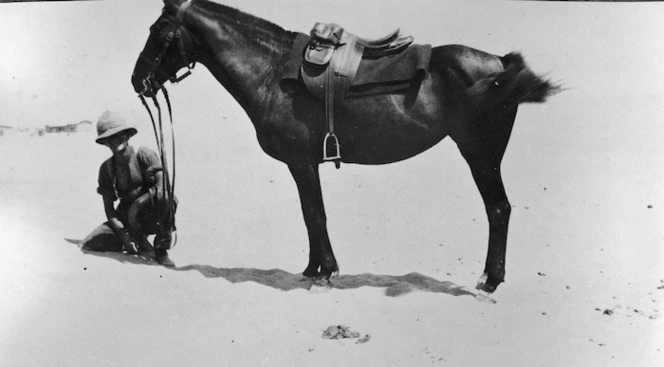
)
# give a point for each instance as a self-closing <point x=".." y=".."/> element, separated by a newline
<point x="374" y="76"/>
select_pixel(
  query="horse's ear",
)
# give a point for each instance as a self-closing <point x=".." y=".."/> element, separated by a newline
<point x="173" y="5"/>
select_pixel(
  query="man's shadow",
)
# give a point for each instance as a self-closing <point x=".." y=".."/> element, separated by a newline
<point x="117" y="256"/>
<point x="279" y="279"/>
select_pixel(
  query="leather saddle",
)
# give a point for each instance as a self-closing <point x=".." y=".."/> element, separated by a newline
<point x="326" y="38"/>
<point x="331" y="60"/>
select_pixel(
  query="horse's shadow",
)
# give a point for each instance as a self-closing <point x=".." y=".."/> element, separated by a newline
<point x="280" y="279"/>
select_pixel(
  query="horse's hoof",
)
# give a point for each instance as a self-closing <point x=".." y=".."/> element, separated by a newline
<point x="325" y="274"/>
<point x="329" y="272"/>
<point x="487" y="283"/>
<point x="482" y="296"/>
<point x="311" y="275"/>
<point x="311" y="271"/>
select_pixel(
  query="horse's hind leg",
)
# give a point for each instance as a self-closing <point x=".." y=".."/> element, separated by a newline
<point x="321" y="258"/>
<point x="483" y="146"/>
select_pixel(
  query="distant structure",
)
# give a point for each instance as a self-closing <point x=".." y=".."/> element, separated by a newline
<point x="6" y="130"/>
<point x="84" y="125"/>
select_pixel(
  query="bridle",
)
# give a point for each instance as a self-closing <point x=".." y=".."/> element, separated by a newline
<point x="174" y="34"/>
<point x="151" y="85"/>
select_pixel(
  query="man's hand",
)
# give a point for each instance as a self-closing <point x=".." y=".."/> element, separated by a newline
<point x="128" y="242"/>
<point x="131" y="248"/>
<point x="158" y="187"/>
<point x="159" y="195"/>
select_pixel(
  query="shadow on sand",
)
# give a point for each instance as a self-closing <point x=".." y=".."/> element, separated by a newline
<point x="117" y="256"/>
<point x="279" y="279"/>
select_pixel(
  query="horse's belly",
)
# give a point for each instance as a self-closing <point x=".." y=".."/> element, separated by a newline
<point x="376" y="129"/>
<point x="383" y="130"/>
<point x="383" y="149"/>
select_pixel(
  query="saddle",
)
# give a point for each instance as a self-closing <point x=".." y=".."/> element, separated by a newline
<point x="331" y="61"/>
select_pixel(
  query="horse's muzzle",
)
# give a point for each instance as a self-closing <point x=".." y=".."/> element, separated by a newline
<point x="147" y="86"/>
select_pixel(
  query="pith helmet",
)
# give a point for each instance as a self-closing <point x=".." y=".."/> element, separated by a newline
<point x="111" y="123"/>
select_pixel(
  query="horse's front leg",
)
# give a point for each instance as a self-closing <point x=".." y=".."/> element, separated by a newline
<point x="321" y="258"/>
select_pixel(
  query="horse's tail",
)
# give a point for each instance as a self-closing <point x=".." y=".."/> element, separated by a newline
<point x="516" y="84"/>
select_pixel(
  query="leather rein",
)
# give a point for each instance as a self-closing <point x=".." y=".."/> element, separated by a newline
<point x="168" y="182"/>
<point x="150" y="85"/>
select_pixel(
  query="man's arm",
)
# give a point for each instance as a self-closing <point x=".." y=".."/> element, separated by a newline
<point x="119" y="228"/>
<point x="135" y="209"/>
<point x="159" y="185"/>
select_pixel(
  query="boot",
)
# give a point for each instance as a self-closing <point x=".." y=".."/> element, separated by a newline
<point x="161" y="255"/>
<point x="144" y="247"/>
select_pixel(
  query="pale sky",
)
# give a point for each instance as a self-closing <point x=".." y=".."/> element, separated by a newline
<point x="64" y="62"/>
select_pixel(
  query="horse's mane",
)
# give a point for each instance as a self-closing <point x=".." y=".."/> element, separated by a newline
<point x="253" y="27"/>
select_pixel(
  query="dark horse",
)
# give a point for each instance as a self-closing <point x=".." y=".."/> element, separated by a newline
<point x="470" y="95"/>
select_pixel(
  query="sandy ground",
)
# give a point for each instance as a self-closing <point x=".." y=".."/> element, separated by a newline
<point x="584" y="282"/>
<point x="583" y="241"/>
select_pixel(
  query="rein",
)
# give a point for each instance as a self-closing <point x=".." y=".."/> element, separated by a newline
<point x="168" y="182"/>
<point x="151" y="87"/>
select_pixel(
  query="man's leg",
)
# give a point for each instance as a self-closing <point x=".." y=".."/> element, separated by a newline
<point x="164" y="234"/>
<point x="102" y="239"/>
<point x="162" y="242"/>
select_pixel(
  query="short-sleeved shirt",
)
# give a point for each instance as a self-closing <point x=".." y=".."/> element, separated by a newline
<point x="139" y="172"/>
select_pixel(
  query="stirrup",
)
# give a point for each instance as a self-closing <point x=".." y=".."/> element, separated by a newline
<point x="337" y="150"/>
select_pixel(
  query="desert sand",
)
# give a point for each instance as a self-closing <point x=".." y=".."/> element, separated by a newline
<point x="584" y="284"/>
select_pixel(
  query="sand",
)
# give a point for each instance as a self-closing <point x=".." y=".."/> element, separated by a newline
<point x="584" y="284"/>
<point x="236" y="296"/>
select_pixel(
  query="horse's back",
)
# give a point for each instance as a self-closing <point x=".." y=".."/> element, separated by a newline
<point x="467" y="63"/>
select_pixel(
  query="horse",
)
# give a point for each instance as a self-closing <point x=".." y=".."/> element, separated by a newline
<point x="466" y="94"/>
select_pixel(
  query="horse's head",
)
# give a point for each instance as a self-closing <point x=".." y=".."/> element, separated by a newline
<point x="169" y="48"/>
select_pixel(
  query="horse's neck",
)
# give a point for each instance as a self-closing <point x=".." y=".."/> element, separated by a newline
<point x="243" y="58"/>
